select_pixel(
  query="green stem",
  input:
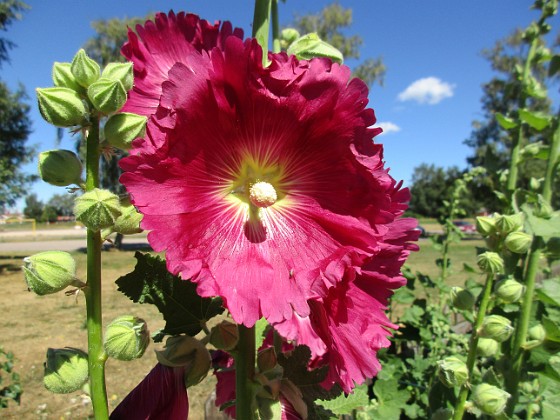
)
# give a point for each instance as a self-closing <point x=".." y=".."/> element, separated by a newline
<point x="275" y="27"/>
<point x="244" y="373"/>
<point x="552" y="164"/>
<point x="96" y="353"/>
<point x="261" y="25"/>
<point x="471" y="358"/>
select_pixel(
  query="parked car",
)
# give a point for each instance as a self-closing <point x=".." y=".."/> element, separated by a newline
<point x="465" y="227"/>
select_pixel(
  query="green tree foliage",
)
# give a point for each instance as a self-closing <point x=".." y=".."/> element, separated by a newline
<point x="329" y="24"/>
<point x="15" y="124"/>
<point x="63" y="204"/>
<point x="33" y="207"/>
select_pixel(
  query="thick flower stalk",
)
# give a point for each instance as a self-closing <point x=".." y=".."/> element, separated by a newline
<point x="264" y="186"/>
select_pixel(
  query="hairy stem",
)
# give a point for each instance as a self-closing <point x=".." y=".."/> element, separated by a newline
<point x="96" y="353"/>
<point x="244" y="373"/>
<point x="261" y="23"/>
<point x="471" y="358"/>
<point x="552" y="164"/>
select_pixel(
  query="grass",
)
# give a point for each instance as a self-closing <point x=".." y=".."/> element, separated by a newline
<point x="31" y="324"/>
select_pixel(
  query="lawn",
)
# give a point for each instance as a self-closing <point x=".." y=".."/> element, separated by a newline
<point x="32" y="324"/>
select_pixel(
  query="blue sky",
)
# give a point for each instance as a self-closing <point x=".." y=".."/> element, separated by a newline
<point x="431" y="49"/>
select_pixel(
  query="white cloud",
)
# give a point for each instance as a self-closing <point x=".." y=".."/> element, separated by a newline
<point x="429" y="90"/>
<point x="388" y="127"/>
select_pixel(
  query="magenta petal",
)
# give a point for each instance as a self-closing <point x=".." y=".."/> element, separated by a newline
<point x="161" y="395"/>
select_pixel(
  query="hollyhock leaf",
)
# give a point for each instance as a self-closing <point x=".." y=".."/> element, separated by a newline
<point x="549" y="291"/>
<point x="176" y="299"/>
<point x="345" y="404"/>
<point x="541" y="226"/>
<point x="310" y="46"/>
<point x="505" y="122"/>
<point x="390" y="398"/>
<point x="537" y="120"/>
<point x="261" y="330"/>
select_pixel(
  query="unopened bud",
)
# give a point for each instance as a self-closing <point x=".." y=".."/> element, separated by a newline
<point x="97" y="209"/>
<point x="128" y="222"/>
<point x="461" y="298"/>
<point x="60" y="167"/>
<point x="126" y="338"/>
<point x="121" y="72"/>
<point x="62" y="77"/>
<point x="518" y="242"/>
<point x="224" y="336"/>
<point x="509" y="223"/>
<point x="489" y="399"/>
<point x="85" y="70"/>
<point x="288" y="36"/>
<point x="485" y="225"/>
<point x="310" y="46"/>
<point x="182" y="350"/>
<point x="106" y="95"/>
<point x="121" y="129"/>
<point x="61" y="106"/>
<point x="452" y="372"/>
<point x="49" y="272"/>
<point x="266" y="359"/>
<point x="490" y="262"/>
<point x="487" y="347"/>
<point x="536" y="336"/>
<point x="496" y="327"/>
<point x="509" y="290"/>
<point x="66" y="370"/>
<point x="543" y="209"/>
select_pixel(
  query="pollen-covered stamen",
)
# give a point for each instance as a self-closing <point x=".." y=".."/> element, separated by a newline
<point x="262" y="194"/>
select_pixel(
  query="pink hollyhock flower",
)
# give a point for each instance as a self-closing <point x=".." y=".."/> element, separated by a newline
<point x="262" y="185"/>
<point x="161" y="395"/>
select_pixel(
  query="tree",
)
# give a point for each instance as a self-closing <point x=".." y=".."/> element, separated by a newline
<point x="328" y="24"/>
<point x="63" y="204"/>
<point x="15" y="124"/>
<point x="33" y="207"/>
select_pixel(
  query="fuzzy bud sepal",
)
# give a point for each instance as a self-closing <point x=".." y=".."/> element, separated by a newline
<point x="61" y="107"/>
<point x="97" y="209"/>
<point x="66" y="370"/>
<point x="49" y="272"/>
<point x="126" y="338"/>
<point x="60" y="167"/>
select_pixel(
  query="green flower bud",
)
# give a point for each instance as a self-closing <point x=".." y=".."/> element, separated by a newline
<point x="121" y="72"/>
<point x="61" y="106"/>
<point x="537" y="335"/>
<point x="288" y="36"/>
<point x="487" y="347"/>
<point x="496" y="327"/>
<point x="224" y="336"/>
<point x="310" y="46"/>
<point x="509" y="290"/>
<point x="128" y="222"/>
<point x="182" y="350"/>
<point x="509" y="223"/>
<point x="490" y="262"/>
<point x="461" y="298"/>
<point x="485" y="225"/>
<point x="452" y="372"/>
<point x="266" y="359"/>
<point x="60" y="167"/>
<point x="49" y="272"/>
<point x="62" y="77"/>
<point x="66" y="370"/>
<point x="126" y="338"/>
<point x="489" y="399"/>
<point x="543" y="208"/>
<point x="518" y="242"/>
<point x="535" y="184"/>
<point x="97" y="209"/>
<point x="121" y="129"/>
<point x="107" y="95"/>
<point x="85" y="70"/>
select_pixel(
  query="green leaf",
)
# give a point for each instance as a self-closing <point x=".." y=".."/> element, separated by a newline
<point x="549" y="292"/>
<point x="539" y="226"/>
<point x="538" y="120"/>
<point x="403" y="295"/>
<point x="183" y="310"/>
<point x="310" y="46"/>
<point x="551" y="407"/>
<point x="469" y="268"/>
<point x="505" y="122"/>
<point x="552" y="330"/>
<point x="390" y="398"/>
<point x="344" y="404"/>
<point x="535" y="89"/>
<point x="261" y="329"/>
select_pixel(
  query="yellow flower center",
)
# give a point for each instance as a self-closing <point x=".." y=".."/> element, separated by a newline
<point x="262" y="194"/>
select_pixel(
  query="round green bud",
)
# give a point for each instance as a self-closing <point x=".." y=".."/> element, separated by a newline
<point x="266" y="359"/>
<point x="224" y="336"/>
<point x="66" y="370"/>
<point x="543" y="209"/>
<point x="537" y="333"/>
<point x="62" y="77"/>
<point x="490" y="262"/>
<point x="496" y="327"/>
<point x="121" y="72"/>
<point x="121" y="129"/>
<point x="487" y="347"/>
<point x="61" y="106"/>
<point x="287" y="36"/>
<point x="452" y="372"/>
<point x="106" y="95"/>
<point x="509" y="223"/>
<point x="518" y="242"/>
<point x="49" y="272"/>
<point x="128" y="222"/>
<point x="97" y="209"/>
<point x="485" y="225"/>
<point x="489" y="399"/>
<point x="461" y="298"/>
<point x="126" y="338"/>
<point x="509" y="290"/>
<point x="60" y="167"/>
<point x="85" y="70"/>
